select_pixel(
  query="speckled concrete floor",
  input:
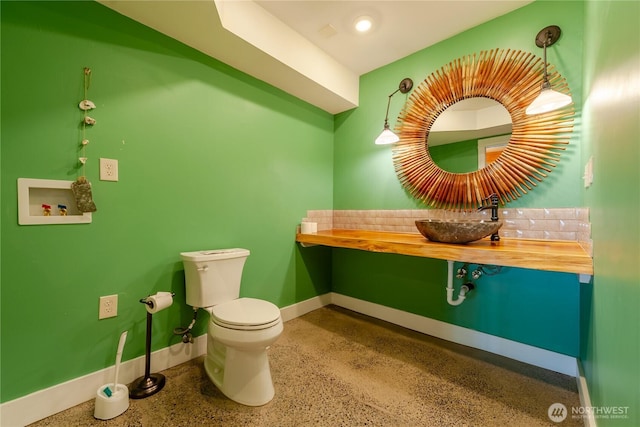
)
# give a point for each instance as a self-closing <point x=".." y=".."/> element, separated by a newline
<point x="333" y="367"/>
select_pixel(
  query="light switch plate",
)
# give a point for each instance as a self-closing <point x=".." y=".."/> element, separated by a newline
<point x="588" y="173"/>
<point x="108" y="170"/>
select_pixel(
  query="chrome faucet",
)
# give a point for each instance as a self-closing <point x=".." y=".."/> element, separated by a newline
<point x="494" y="212"/>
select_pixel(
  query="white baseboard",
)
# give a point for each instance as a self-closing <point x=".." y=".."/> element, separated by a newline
<point x="303" y="307"/>
<point x="514" y="350"/>
<point x="44" y="403"/>
<point x="585" y="399"/>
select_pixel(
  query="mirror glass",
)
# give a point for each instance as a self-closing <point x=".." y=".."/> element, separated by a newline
<point x="469" y="134"/>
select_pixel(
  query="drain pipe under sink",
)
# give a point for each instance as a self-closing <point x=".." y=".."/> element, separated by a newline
<point x="463" y="289"/>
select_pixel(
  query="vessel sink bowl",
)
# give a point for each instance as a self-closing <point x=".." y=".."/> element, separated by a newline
<point x="456" y="230"/>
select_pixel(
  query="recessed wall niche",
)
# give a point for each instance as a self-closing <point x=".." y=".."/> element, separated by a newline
<point x="33" y="194"/>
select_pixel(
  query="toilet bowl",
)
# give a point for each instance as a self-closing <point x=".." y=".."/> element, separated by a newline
<point x="238" y="337"/>
<point x="240" y="329"/>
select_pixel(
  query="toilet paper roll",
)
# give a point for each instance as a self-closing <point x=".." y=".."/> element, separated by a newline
<point x="159" y="301"/>
<point x="308" y="227"/>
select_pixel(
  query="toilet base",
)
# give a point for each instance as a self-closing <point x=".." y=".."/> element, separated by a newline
<point x="241" y="375"/>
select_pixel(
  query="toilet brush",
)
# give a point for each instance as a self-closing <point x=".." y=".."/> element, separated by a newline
<point x="107" y="390"/>
<point x="123" y="338"/>
<point x="112" y="399"/>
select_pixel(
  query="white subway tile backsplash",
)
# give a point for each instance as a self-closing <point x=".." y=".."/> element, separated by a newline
<point x="582" y="214"/>
<point x="559" y="235"/>
<point x="516" y="224"/>
<point x="522" y="223"/>
<point x="566" y="213"/>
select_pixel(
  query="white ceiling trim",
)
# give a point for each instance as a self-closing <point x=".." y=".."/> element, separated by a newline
<point x="248" y="38"/>
<point x="285" y="43"/>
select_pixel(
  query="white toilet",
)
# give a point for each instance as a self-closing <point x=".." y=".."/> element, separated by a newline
<point x="240" y="329"/>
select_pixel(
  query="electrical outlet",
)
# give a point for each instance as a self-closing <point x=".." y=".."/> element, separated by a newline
<point x="108" y="306"/>
<point x="108" y="170"/>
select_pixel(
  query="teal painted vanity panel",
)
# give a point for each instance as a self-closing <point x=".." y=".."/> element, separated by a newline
<point x="538" y="308"/>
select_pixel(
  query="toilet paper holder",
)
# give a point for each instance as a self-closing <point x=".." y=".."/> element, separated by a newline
<point x="146" y="301"/>
<point x="149" y="384"/>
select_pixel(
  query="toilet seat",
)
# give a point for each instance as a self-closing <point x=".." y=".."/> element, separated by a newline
<point x="245" y="314"/>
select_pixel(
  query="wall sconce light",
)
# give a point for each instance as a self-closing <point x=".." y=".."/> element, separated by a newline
<point x="548" y="99"/>
<point x="387" y="136"/>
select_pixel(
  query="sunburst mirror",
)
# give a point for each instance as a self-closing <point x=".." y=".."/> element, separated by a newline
<point x="509" y="77"/>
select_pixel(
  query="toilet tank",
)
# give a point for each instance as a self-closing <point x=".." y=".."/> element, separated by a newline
<point x="213" y="277"/>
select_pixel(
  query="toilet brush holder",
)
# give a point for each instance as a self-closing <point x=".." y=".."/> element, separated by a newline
<point x="111" y="403"/>
<point x="149" y="384"/>
<point x="113" y="399"/>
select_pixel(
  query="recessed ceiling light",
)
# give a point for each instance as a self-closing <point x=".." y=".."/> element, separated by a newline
<point x="363" y="24"/>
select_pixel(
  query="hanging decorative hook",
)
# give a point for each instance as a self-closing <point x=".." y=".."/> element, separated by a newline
<point x="81" y="188"/>
<point x="86" y="105"/>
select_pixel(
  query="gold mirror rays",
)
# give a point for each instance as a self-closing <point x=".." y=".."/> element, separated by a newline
<point x="510" y="77"/>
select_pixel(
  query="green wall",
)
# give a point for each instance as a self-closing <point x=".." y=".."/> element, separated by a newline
<point x="208" y="158"/>
<point x="536" y="308"/>
<point x="456" y="157"/>
<point x="612" y="134"/>
<point x="204" y="163"/>
<point x="364" y="176"/>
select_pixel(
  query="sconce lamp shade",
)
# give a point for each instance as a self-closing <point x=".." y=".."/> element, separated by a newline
<point x="548" y="99"/>
<point x="387" y="136"/>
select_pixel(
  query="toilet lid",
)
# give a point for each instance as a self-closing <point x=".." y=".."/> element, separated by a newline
<point x="245" y="313"/>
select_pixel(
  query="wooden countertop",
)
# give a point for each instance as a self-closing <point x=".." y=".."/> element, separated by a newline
<point x="550" y="255"/>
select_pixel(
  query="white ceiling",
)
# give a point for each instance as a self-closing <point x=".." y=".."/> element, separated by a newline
<point x="400" y="27"/>
<point x="285" y="43"/>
